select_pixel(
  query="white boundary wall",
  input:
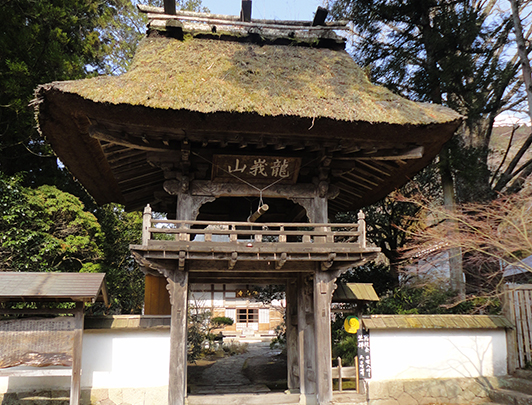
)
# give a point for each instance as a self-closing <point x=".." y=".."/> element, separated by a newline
<point x="437" y="353"/>
<point x="129" y="358"/>
<point x="134" y="358"/>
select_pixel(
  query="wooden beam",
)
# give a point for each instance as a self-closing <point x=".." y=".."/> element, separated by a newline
<point x="359" y="170"/>
<point x="216" y="21"/>
<point x="114" y="158"/>
<point x="372" y="167"/>
<point x="358" y="177"/>
<point x="249" y="267"/>
<point x="358" y="183"/>
<point x="124" y="139"/>
<point x="348" y="190"/>
<point x="207" y="188"/>
<point x="160" y="10"/>
<point x="408" y="154"/>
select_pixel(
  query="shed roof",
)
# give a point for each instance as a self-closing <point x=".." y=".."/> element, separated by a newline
<point x="352" y="292"/>
<point x="521" y="267"/>
<point x="62" y="287"/>
<point x="436" y="322"/>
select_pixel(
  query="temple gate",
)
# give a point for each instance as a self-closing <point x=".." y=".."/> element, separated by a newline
<point x="250" y="135"/>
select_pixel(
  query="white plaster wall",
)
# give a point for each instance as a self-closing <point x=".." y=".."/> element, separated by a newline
<point x="128" y="358"/>
<point x="131" y="358"/>
<point x="418" y="354"/>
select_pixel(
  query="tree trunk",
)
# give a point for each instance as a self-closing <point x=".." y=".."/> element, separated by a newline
<point x="522" y="53"/>
<point x="455" y="255"/>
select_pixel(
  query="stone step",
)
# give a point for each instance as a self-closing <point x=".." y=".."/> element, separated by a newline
<point x="348" y="398"/>
<point x="516" y="384"/>
<point x="525" y="374"/>
<point x="274" y="398"/>
<point x="510" y="397"/>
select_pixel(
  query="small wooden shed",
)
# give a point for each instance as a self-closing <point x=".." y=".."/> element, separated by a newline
<point x="44" y="341"/>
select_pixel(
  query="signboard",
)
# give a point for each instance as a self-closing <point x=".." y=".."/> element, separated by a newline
<point x="37" y="342"/>
<point x="255" y="169"/>
<point x="364" y="360"/>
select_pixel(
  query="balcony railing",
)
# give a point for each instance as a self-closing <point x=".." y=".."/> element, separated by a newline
<point x="251" y="241"/>
<point x="251" y="233"/>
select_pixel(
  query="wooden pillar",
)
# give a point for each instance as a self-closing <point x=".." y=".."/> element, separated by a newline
<point x="75" y="382"/>
<point x="178" y="288"/>
<point x="292" y="351"/>
<point x="323" y="288"/>
<point x="306" y="340"/>
<point x="323" y="284"/>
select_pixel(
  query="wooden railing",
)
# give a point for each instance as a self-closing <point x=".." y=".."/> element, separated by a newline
<point x="253" y="233"/>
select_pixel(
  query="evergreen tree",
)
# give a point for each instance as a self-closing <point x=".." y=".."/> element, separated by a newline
<point x="449" y="52"/>
<point x="40" y="41"/>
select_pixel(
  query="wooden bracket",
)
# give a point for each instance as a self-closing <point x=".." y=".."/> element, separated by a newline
<point x="232" y="262"/>
<point x="182" y="256"/>
<point x="330" y="260"/>
<point x="281" y="261"/>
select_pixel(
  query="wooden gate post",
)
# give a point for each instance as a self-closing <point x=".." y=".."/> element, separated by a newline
<point x="508" y="310"/>
<point x="178" y="288"/>
<point x="292" y="352"/>
<point x="323" y="288"/>
<point x="306" y="339"/>
<point x="75" y="382"/>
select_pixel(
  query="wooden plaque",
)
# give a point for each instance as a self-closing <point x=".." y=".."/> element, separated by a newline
<point x="255" y="169"/>
<point x="37" y="342"/>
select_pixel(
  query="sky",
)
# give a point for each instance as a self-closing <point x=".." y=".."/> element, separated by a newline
<point x="267" y="9"/>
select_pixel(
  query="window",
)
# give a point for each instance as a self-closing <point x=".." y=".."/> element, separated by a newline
<point x="247" y="315"/>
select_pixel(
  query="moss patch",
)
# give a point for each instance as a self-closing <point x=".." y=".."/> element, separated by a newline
<point x="208" y="75"/>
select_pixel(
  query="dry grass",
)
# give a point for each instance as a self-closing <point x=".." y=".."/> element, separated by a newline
<point x="208" y="75"/>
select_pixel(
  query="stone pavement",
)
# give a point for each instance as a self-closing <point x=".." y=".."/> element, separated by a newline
<point x="227" y="376"/>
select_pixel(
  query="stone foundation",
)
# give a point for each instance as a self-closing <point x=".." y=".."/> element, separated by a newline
<point x="100" y="396"/>
<point x="433" y="391"/>
<point x="392" y="392"/>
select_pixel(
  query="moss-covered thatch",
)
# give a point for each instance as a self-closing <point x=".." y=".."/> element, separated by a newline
<point x="207" y="75"/>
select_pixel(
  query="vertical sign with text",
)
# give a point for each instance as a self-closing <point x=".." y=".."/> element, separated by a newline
<point x="364" y="359"/>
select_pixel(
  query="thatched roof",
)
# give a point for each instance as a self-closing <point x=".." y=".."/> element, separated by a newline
<point x="221" y="93"/>
<point x="211" y="76"/>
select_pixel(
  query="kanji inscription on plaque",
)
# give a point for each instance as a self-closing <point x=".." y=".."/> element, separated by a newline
<point x="36" y="342"/>
<point x="364" y="359"/>
<point x="256" y="169"/>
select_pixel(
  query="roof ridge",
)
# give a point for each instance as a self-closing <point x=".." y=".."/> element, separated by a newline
<point x="222" y="19"/>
